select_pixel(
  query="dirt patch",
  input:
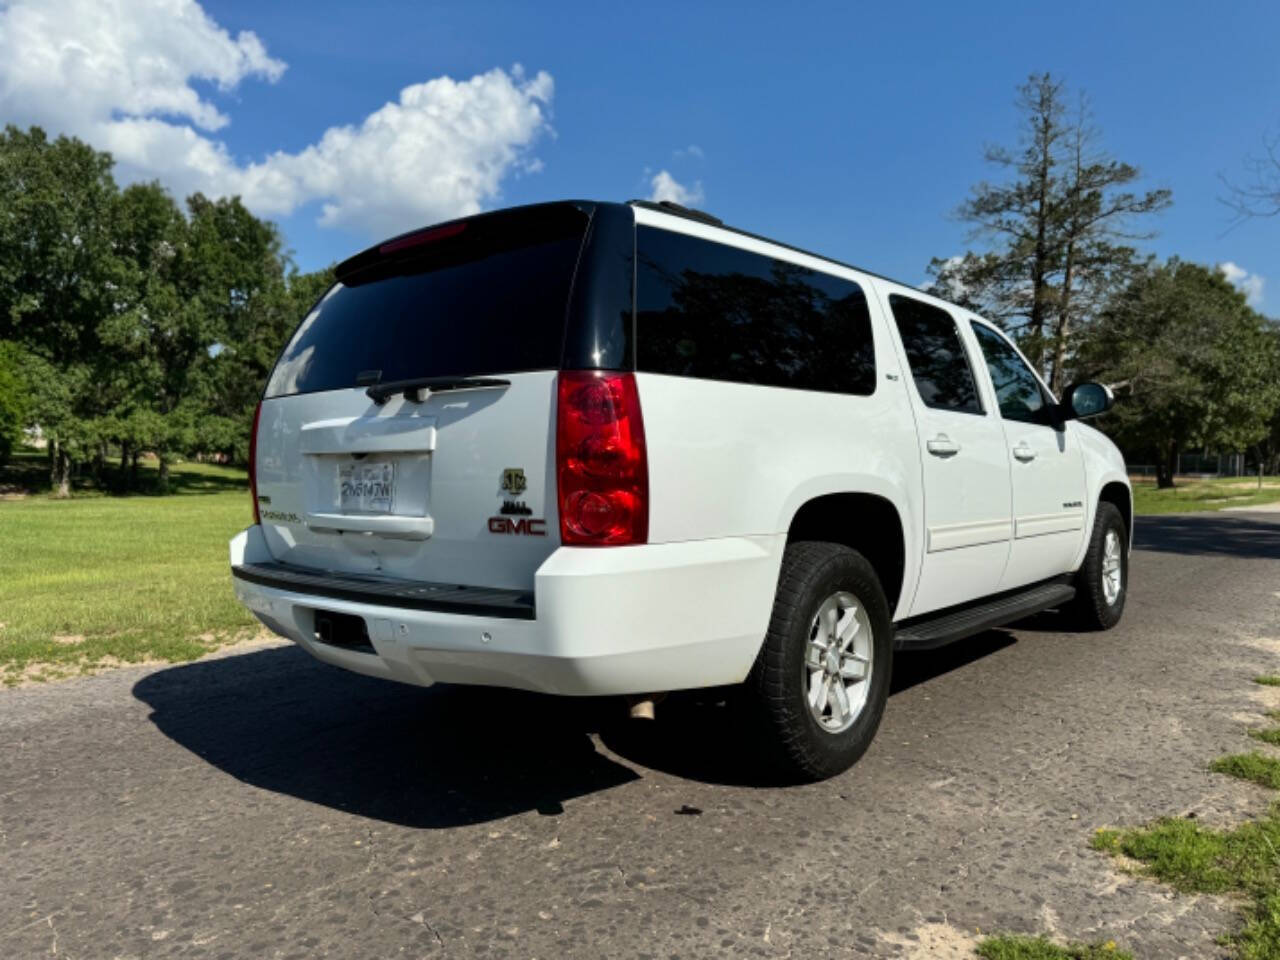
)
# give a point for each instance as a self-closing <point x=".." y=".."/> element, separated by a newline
<point x="935" y="941"/>
<point x="40" y="674"/>
<point x="1266" y="644"/>
<point x="68" y="639"/>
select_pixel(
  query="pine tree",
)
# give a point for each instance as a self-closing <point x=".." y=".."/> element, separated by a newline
<point x="1059" y="229"/>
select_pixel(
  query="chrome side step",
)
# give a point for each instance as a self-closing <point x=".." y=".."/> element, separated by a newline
<point x="938" y="629"/>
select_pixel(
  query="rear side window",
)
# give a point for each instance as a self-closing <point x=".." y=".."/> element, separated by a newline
<point x="486" y="296"/>
<point x="938" y="362"/>
<point x="1018" y="391"/>
<point x="712" y="311"/>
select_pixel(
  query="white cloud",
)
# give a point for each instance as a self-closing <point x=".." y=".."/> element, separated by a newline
<point x="72" y="63"/>
<point x="666" y="187"/>
<point x="119" y="75"/>
<point x="1250" y="284"/>
<point x="692" y="150"/>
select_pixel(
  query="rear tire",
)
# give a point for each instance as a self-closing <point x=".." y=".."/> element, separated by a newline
<point x="1102" y="583"/>
<point x="821" y="679"/>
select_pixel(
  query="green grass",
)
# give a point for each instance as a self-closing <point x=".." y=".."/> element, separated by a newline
<point x="95" y="579"/>
<point x="1254" y="766"/>
<point x="1268" y="680"/>
<point x="1213" y="493"/>
<point x="1010" y="947"/>
<point x="1269" y="735"/>
<point x="1196" y="859"/>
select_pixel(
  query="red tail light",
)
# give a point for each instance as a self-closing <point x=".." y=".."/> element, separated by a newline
<point x="602" y="470"/>
<point x="253" y="462"/>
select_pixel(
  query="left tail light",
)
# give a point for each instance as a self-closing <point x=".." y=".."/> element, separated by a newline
<point x="253" y="462"/>
<point x="602" y="467"/>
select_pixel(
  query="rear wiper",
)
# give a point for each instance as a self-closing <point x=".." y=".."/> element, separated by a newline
<point x="418" y="388"/>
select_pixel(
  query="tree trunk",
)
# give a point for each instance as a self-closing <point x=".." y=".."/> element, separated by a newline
<point x="133" y="468"/>
<point x="164" y="473"/>
<point x="62" y="474"/>
<point x="1064" y="325"/>
<point x="1168" y="467"/>
<point x="1040" y="267"/>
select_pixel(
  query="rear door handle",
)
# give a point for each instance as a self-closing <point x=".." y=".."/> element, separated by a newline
<point x="942" y="446"/>
<point x="1024" y="452"/>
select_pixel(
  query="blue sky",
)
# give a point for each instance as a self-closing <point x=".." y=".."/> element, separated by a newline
<point x="854" y="131"/>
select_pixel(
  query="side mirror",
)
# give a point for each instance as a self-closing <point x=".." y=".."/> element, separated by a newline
<point x="1087" y="400"/>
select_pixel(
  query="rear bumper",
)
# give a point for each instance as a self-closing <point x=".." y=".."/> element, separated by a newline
<point x="608" y="621"/>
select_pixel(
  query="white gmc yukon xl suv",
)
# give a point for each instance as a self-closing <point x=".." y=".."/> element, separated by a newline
<point x="595" y="448"/>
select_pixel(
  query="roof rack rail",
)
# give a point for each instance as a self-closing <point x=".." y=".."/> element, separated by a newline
<point x="667" y="206"/>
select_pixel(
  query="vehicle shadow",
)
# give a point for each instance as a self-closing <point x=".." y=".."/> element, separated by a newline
<point x="447" y="756"/>
<point x="708" y="736"/>
<point x="1203" y="534"/>
<point x="430" y="758"/>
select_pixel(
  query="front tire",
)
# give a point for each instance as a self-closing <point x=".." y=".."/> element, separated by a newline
<point x="1102" y="583"/>
<point x="821" y="680"/>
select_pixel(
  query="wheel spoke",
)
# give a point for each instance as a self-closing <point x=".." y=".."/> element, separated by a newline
<point x="818" y="684"/>
<point x="814" y="652"/>
<point x="853" y="668"/>
<point x="841" y="709"/>
<point x="849" y="627"/>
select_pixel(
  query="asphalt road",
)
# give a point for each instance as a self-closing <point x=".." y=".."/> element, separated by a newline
<point x="264" y="805"/>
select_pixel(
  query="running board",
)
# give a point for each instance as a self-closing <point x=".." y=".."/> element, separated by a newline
<point x="936" y="630"/>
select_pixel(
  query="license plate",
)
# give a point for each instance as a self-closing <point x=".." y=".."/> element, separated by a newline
<point x="366" y="487"/>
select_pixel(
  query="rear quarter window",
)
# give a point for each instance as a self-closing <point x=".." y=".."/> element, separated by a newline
<point x="707" y="310"/>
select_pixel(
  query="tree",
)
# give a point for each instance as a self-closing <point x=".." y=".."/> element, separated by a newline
<point x="1200" y="365"/>
<point x="261" y="301"/>
<point x="59" y="276"/>
<point x="136" y="322"/>
<point x="15" y="399"/>
<point x="1060" y="227"/>
<point x="1268" y="447"/>
<point x="205" y="301"/>
<point x="1258" y="194"/>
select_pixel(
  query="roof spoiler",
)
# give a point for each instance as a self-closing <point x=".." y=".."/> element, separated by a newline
<point x="676" y="209"/>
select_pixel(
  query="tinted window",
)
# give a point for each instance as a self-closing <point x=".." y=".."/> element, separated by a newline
<point x="707" y="310"/>
<point x="489" y="299"/>
<point x="938" y="362"/>
<point x="1018" y="392"/>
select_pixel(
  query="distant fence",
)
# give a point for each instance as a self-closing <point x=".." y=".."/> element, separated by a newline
<point x="1198" y="465"/>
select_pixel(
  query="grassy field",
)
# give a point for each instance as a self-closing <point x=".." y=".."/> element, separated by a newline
<point x="1210" y="494"/>
<point x="96" y="580"/>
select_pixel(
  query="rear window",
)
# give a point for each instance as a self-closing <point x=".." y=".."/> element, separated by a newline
<point x="708" y="310"/>
<point x="489" y="298"/>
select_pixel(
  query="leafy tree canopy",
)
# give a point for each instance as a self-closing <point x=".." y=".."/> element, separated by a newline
<point x="1199" y="367"/>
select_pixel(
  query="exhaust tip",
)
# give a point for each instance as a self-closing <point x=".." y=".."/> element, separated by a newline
<point x="641" y="707"/>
